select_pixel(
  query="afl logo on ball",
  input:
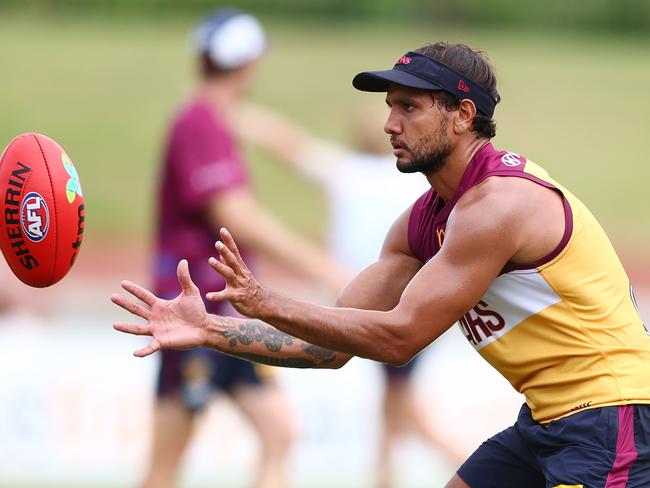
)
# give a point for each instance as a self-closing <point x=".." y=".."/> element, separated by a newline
<point x="34" y="217"/>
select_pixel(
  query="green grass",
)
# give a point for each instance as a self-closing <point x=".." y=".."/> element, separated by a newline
<point x="105" y="88"/>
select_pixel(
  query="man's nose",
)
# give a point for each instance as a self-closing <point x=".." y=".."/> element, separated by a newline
<point x="392" y="125"/>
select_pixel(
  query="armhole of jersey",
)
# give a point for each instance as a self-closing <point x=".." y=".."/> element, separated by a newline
<point x="414" y="226"/>
<point x="568" y="222"/>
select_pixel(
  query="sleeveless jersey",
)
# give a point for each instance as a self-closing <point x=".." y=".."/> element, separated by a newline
<point x="565" y="330"/>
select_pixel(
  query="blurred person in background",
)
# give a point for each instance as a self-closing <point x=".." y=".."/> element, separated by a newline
<point x="364" y="198"/>
<point x="205" y="185"/>
<point x="497" y="246"/>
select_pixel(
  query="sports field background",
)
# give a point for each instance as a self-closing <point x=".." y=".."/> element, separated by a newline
<point x="104" y="87"/>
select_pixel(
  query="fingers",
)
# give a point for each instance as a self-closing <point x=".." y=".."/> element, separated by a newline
<point x="133" y="329"/>
<point x="226" y="237"/>
<point x="184" y="278"/>
<point x="230" y="261"/>
<point x="217" y="296"/>
<point x="224" y="271"/>
<point x="131" y="306"/>
<point x="221" y="268"/>
<point x="142" y="293"/>
<point x="150" y="349"/>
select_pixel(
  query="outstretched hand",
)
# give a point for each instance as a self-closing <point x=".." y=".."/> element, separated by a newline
<point x="242" y="289"/>
<point x="180" y="323"/>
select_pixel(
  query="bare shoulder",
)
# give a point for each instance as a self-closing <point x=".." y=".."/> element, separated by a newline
<point x="508" y="198"/>
<point x="494" y="202"/>
<point x="527" y="215"/>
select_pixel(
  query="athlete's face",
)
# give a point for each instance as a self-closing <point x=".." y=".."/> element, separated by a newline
<point x="418" y="129"/>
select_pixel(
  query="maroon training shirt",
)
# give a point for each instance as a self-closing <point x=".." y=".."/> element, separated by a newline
<point x="201" y="160"/>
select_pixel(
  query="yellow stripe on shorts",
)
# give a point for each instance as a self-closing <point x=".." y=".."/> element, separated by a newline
<point x="266" y="373"/>
<point x="568" y="486"/>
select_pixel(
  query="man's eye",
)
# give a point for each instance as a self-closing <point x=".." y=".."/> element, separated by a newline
<point x="408" y="107"/>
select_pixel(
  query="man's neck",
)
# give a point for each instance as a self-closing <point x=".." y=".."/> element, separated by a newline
<point x="446" y="180"/>
<point x="221" y="94"/>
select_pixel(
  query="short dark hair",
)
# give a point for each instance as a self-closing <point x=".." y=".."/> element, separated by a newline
<point x="209" y="69"/>
<point x="473" y="64"/>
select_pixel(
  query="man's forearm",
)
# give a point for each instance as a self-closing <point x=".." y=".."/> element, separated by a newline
<point x="259" y="342"/>
<point x="366" y="333"/>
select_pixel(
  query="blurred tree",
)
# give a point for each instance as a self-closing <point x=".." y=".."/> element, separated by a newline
<point x="618" y="15"/>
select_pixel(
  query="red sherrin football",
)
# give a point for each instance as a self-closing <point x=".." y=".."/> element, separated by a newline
<point x="41" y="209"/>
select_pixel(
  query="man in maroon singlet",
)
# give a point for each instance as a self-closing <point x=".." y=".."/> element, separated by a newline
<point x="495" y="246"/>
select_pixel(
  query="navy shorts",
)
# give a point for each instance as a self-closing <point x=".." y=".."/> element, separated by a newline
<point x="197" y="374"/>
<point x="606" y="447"/>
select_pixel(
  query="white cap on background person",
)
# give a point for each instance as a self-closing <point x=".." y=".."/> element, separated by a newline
<point x="231" y="38"/>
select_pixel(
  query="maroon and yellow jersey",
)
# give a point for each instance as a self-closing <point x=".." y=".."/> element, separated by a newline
<point x="565" y="330"/>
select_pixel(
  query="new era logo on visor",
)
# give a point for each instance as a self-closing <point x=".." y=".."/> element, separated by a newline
<point x="403" y="60"/>
<point x="462" y="86"/>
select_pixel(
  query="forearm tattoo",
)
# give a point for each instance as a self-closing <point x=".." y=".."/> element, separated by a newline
<point x="282" y="362"/>
<point x="274" y="340"/>
<point x="256" y="331"/>
<point x="321" y="353"/>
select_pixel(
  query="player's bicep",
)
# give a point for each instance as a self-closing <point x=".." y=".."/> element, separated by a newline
<point x="475" y="251"/>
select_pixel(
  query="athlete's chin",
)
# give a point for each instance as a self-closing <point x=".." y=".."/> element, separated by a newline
<point x="405" y="165"/>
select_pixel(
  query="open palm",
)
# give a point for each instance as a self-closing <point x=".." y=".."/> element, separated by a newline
<point x="173" y="324"/>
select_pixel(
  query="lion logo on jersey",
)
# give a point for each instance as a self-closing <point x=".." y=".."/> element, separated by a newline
<point x="511" y="159"/>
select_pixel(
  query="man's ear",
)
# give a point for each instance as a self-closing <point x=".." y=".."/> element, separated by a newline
<point x="465" y="115"/>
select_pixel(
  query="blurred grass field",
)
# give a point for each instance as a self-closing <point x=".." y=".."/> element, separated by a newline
<point x="105" y="89"/>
